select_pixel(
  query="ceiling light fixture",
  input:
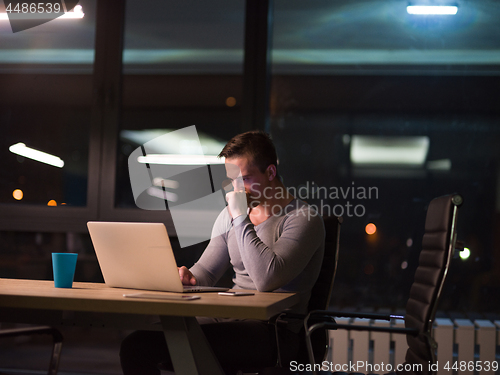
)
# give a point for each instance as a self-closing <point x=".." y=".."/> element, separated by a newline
<point x="432" y="9"/>
<point x="180" y="159"/>
<point x="407" y="151"/>
<point x="22" y="150"/>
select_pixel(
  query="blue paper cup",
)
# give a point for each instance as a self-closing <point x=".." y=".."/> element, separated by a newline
<point x="63" y="265"/>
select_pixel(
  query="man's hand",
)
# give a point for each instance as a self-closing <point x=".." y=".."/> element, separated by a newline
<point x="237" y="202"/>
<point x="186" y="276"/>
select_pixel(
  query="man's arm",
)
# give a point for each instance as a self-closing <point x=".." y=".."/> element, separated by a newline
<point x="272" y="267"/>
<point x="215" y="260"/>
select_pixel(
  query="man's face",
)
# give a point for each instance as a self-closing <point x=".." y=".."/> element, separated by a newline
<point x="254" y="180"/>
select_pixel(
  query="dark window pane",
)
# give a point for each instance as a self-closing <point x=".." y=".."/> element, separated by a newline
<point x="368" y="99"/>
<point x="58" y="131"/>
<point x="58" y="46"/>
<point x="45" y="99"/>
<point x="165" y="37"/>
<point x="183" y="64"/>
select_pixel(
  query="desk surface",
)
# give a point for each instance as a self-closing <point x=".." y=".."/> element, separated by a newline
<point x="97" y="297"/>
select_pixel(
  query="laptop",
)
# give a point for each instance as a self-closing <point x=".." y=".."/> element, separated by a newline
<point x="138" y="256"/>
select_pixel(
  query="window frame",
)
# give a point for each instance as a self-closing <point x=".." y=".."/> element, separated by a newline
<point x="106" y="111"/>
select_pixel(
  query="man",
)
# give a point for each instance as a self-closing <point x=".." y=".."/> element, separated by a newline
<point x="273" y="242"/>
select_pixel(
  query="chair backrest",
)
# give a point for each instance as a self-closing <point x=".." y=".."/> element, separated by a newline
<point x="322" y="289"/>
<point x="438" y="246"/>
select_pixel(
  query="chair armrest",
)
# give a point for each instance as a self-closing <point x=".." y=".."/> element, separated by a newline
<point x="360" y="315"/>
<point x="57" y="338"/>
<point x="334" y="326"/>
<point x="287" y="314"/>
<point x="282" y="319"/>
<point x="12" y="332"/>
<point x="331" y="325"/>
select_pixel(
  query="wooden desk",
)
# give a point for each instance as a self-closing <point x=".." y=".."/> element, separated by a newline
<point x="36" y="301"/>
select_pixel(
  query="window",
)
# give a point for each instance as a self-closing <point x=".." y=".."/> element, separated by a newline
<point x="41" y="111"/>
<point x="375" y="113"/>
<point x="183" y="64"/>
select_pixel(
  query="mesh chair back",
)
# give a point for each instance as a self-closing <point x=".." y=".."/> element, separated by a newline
<point x="438" y="246"/>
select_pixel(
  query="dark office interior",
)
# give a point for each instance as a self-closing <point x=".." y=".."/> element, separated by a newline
<point x="326" y="78"/>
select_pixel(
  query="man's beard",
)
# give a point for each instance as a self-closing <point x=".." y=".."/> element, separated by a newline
<point x="253" y="202"/>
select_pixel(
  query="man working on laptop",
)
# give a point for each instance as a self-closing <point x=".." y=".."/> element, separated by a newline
<point x="273" y="241"/>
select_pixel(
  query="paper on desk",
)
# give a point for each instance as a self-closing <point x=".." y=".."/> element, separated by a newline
<point x="177" y="297"/>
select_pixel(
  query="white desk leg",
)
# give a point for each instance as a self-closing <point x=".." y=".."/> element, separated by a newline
<point x="188" y="347"/>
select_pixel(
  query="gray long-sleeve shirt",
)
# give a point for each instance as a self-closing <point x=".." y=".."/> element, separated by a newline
<point x="282" y="254"/>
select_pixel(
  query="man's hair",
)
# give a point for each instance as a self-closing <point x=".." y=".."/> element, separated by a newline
<point x="254" y="144"/>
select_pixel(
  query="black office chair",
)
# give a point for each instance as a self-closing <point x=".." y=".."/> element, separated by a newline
<point x="438" y="247"/>
<point x="322" y="290"/>
<point x="320" y="300"/>
<point x="57" y="339"/>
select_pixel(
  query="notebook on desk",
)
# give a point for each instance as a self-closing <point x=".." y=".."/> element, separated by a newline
<point x="138" y="256"/>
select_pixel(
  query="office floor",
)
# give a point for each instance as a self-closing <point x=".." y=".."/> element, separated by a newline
<point x="85" y="352"/>
<point x="96" y="351"/>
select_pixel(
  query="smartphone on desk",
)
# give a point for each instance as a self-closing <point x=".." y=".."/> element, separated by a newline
<point x="235" y="294"/>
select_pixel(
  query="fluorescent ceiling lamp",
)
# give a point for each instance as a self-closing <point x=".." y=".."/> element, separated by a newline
<point x="180" y="159"/>
<point x="175" y="144"/>
<point x="432" y="9"/>
<point x="76" y="13"/>
<point x="396" y="151"/>
<point x="22" y="150"/>
<point x="439" y="165"/>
